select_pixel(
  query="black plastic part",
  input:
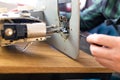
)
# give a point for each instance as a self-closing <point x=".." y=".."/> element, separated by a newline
<point x="19" y="31"/>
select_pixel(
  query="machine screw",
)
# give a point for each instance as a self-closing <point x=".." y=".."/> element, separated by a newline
<point x="8" y="32"/>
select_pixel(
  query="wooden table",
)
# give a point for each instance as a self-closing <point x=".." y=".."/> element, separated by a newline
<point x="42" y="58"/>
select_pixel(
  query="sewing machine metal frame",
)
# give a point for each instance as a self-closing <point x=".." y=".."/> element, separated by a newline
<point x="69" y="45"/>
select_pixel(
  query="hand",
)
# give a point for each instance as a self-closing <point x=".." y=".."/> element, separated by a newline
<point x="108" y="51"/>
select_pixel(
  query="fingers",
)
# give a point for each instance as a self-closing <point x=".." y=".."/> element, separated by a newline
<point x="105" y="62"/>
<point x="105" y="57"/>
<point x="105" y="54"/>
<point x="100" y="39"/>
<point x="101" y="52"/>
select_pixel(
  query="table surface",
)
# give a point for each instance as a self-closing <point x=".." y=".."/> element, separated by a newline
<point x="42" y="58"/>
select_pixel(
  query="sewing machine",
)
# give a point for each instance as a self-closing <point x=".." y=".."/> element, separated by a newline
<point x="57" y="30"/>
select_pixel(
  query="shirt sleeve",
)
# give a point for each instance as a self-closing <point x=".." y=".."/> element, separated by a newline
<point x="91" y="17"/>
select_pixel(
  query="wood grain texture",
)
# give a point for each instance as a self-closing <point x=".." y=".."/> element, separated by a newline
<point x="42" y="58"/>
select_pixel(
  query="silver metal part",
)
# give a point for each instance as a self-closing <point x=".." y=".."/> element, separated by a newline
<point x="53" y="29"/>
<point x="69" y="45"/>
<point x="64" y="1"/>
<point x="27" y="46"/>
<point x="36" y="30"/>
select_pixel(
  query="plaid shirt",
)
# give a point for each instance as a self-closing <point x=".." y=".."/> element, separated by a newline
<point x="97" y="13"/>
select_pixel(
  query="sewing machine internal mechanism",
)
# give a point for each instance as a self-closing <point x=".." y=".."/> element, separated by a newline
<point x="59" y="31"/>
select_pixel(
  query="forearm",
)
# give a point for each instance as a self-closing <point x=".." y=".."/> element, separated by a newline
<point x="91" y="17"/>
<point x="88" y="23"/>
